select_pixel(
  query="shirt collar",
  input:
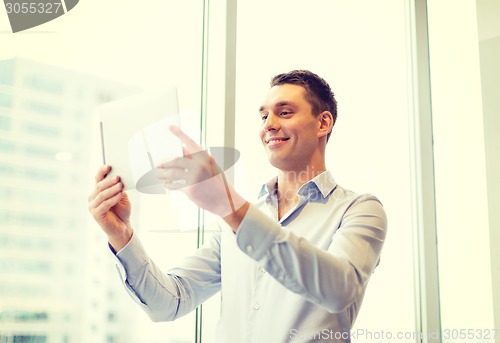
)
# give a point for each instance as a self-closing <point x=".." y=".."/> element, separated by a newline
<point x="323" y="182"/>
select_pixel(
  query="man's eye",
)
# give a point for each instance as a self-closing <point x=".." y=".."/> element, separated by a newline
<point x="263" y="117"/>
<point x="284" y="113"/>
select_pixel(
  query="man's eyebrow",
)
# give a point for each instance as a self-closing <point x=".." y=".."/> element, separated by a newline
<point x="279" y="104"/>
<point x="284" y="103"/>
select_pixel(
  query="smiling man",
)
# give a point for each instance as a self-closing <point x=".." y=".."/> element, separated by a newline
<point x="291" y="266"/>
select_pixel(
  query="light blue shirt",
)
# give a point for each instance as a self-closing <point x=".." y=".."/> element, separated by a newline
<point x="299" y="279"/>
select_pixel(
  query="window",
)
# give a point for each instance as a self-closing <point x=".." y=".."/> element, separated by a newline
<point x="43" y="108"/>
<point x="44" y="83"/>
<point x="5" y="100"/>
<point x="5" y="123"/>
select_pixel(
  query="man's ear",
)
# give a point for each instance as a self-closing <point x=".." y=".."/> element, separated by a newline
<point x="325" y="121"/>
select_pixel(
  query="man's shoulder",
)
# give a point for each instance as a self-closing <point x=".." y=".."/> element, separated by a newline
<point x="350" y="196"/>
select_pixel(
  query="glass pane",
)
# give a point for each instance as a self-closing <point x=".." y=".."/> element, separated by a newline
<point x="488" y="13"/>
<point x="360" y="48"/>
<point x="58" y="282"/>
<point x="464" y="57"/>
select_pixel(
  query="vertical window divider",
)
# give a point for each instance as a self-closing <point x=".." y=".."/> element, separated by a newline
<point x="425" y="248"/>
<point x="203" y="140"/>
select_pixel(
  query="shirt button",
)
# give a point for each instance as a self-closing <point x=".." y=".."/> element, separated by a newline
<point x="256" y="307"/>
<point x="262" y="270"/>
<point x="249" y="248"/>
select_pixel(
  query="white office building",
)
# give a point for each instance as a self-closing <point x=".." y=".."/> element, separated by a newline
<point x="54" y="286"/>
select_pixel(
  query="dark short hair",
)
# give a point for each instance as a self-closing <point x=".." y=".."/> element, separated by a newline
<point x="318" y="91"/>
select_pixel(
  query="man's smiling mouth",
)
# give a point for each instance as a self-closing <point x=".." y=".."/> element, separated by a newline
<point x="276" y="141"/>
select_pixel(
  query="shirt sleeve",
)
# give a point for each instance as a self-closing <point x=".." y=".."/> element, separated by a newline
<point x="334" y="278"/>
<point x="168" y="296"/>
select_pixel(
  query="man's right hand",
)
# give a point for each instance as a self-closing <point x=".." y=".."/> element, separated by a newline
<point x="110" y="207"/>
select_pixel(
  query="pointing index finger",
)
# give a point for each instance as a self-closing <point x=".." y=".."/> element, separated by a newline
<point x="190" y="144"/>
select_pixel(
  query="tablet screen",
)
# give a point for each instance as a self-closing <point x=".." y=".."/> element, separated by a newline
<point x="135" y="137"/>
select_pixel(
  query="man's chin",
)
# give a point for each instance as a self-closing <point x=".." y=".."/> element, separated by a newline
<point x="280" y="163"/>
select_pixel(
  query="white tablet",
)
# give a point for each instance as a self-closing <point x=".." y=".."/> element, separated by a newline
<point x="135" y="137"/>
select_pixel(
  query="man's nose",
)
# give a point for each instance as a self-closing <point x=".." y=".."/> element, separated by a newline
<point x="272" y="122"/>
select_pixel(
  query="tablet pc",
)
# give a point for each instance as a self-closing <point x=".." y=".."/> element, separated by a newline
<point x="135" y="137"/>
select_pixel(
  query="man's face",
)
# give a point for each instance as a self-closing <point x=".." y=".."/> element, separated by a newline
<point x="289" y="130"/>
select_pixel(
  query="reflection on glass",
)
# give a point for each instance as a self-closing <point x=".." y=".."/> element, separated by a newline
<point x="57" y="280"/>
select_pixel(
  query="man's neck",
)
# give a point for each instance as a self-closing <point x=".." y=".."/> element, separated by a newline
<point x="290" y="181"/>
<point x="293" y="179"/>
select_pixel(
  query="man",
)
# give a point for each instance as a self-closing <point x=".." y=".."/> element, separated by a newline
<point x="292" y="266"/>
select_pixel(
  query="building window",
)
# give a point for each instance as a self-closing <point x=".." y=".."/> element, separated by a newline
<point x="28" y="339"/>
<point x="33" y="128"/>
<point x="6" y="74"/>
<point x="6" y="146"/>
<point x="43" y="108"/>
<point x="39" y="151"/>
<point x="44" y="84"/>
<point x="5" y="100"/>
<point x="4" y="123"/>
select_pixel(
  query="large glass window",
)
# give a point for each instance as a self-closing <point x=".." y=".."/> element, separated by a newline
<point x="58" y="282"/>
<point x="464" y="59"/>
<point x="360" y="48"/>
